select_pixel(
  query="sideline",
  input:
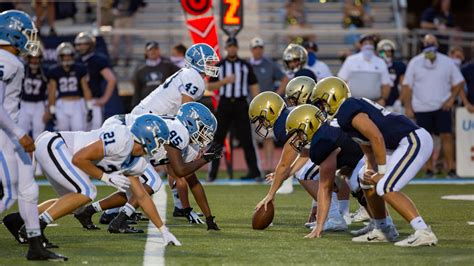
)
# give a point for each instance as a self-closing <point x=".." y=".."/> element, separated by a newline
<point x="154" y="247"/>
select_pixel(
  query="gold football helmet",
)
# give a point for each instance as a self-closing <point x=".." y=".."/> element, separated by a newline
<point x="264" y="110"/>
<point x="298" y="90"/>
<point x="329" y="94"/>
<point x="295" y="52"/>
<point x="302" y="123"/>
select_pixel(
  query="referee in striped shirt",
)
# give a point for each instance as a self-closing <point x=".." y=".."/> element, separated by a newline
<point x="236" y="81"/>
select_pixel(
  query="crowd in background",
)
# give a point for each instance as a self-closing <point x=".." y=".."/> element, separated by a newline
<point x="426" y="88"/>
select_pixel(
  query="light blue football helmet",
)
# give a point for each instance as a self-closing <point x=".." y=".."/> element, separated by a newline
<point x="151" y="132"/>
<point x="199" y="121"/>
<point x="18" y="30"/>
<point x="203" y="58"/>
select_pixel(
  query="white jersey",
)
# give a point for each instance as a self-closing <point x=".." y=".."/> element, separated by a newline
<point x="118" y="145"/>
<point x="12" y="72"/>
<point x="167" y="98"/>
<point x="179" y="136"/>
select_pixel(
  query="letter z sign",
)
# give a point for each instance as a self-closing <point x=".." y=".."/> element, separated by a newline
<point x="232" y="16"/>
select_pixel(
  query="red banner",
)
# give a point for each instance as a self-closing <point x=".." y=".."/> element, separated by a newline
<point x="196" y="7"/>
<point x="203" y="30"/>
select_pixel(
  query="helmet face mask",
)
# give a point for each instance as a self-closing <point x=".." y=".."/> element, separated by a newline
<point x="265" y="109"/>
<point x="18" y="30"/>
<point x="295" y="57"/>
<point x="199" y="121"/>
<point x="263" y="126"/>
<point x="202" y="58"/>
<point x="301" y="125"/>
<point x="299" y="140"/>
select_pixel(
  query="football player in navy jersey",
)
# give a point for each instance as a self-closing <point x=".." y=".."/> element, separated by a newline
<point x="67" y="88"/>
<point x="295" y="58"/>
<point x="269" y="112"/>
<point x="395" y="150"/>
<point x="33" y="95"/>
<point x="99" y="71"/>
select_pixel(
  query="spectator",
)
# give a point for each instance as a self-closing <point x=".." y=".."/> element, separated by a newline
<point x="456" y="53"/>
<point x="432" y="82"/>
<point x="295" y="15"/>
<point x="386" y="50"/>
<point x="439" y="17"/>
<point x="177" y="55"/>
<point x="33" y="95"/>
<point x="236" y="81"/>
<point x="320" y="69"/>
<point x="150" y="75"/>
<point x="124" y="12"/>
<point x="353" y="14"/>
<point x="50" y="7"/>
<point x="100" y="76"/>
<point x="366" y="73"/>
<point x="267" y="73"/>
<point x="467" y="95"/>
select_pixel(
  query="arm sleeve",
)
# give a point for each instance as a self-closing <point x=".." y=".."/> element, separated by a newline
<point x="6" y="123"/>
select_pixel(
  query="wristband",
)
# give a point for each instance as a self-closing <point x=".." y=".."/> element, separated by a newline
<point x="52" y="109"/>
<point x="381" y="169"/>
<point x="104" y="177"/>
<point x="89" y="105"/>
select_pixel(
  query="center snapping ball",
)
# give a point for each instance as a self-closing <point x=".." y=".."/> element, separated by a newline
<point x="262" y="219"/>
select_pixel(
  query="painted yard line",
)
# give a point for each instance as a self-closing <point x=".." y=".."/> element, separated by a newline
<point x="154" y="247"/>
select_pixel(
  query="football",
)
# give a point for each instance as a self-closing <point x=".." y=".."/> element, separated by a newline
<point x="262" y="219"/>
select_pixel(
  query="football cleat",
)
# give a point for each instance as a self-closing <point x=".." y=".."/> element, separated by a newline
<point x="388" y="234"/>
<point x="360" y="215"/>
<point x="85" y="218"/>
<point x="38" y="252"/>
<point x="119" y="225"/>
<point x="13" y="222"/>
<point x="423" y="237"/>
<point x="364" y="230"/>
<point x="347" y="218"/>
<point x="211" y="223"/>
<point x="333" y="224"/>
<point x="106" y="218"/>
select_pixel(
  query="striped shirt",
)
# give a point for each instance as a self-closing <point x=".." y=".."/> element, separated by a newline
<point x="244" y="77"/>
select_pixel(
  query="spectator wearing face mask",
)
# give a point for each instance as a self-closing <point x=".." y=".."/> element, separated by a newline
<point x="150" y="75"/>
<point x="177" y="55"/>
<point x="366" y="73"/>
<point x="432" y="82"/>
<point x="320" y="69"/>
<point x="396" y="69"/>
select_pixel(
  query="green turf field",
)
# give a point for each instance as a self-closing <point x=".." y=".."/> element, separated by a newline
<point x="283" y="243"/>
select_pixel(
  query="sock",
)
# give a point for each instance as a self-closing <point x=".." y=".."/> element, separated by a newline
<point x="418" y="224"/>
<point x="314" y="204"/>
<point x="389" y="220"/>
<point x="114" y="210"/>
<point x="344" y="207"/>
<point x="33" y="232"/>
<point x="176" y="200"/>
<point x="334" y="207"/>
<point x="45" y="217"/>
<point x="381" y="223"/>
<point x="96" y="206"/>
<point x="128" y="209"/>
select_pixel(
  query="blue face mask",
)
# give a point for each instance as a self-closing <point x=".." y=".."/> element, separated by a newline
<point x="312" y="59"/>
